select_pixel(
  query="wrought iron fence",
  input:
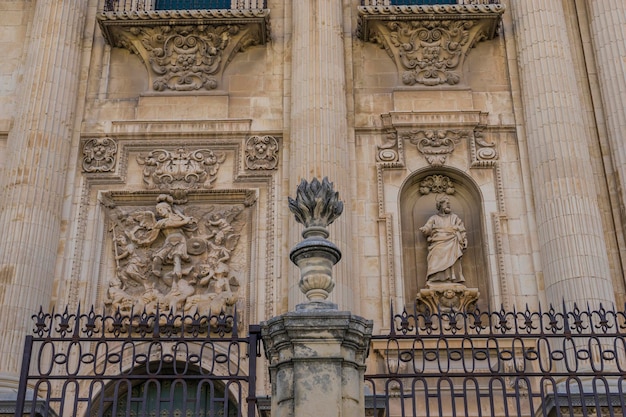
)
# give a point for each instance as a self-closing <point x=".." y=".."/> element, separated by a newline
<point x="144" y="364"/>
<point x="148" y="5"/>
<point x="502" y="363"/>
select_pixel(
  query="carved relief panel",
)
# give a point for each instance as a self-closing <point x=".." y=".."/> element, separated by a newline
<point x="187" y="258"/>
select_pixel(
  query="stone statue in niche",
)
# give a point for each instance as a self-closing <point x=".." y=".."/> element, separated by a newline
<point x="177" y="258"/>
<point x="447" y="241"/>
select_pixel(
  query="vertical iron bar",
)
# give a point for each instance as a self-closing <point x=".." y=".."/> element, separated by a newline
<point x="253" y="339"/>
<point x="21" y="391"/>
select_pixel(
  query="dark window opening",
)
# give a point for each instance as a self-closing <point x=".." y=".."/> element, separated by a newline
<point x="191" y="4"/>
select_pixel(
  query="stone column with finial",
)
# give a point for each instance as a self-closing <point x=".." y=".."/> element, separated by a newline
<point x="317" y="353"/>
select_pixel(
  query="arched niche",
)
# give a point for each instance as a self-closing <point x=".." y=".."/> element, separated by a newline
<point x="417" y="204"/>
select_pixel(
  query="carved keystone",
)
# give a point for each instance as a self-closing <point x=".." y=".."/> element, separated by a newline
<point x="316" y="206"/>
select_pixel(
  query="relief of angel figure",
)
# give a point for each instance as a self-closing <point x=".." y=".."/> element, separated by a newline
<point x="132" y="272"/>
<point x="172" y="224"/>
<point x="221" y="293"/>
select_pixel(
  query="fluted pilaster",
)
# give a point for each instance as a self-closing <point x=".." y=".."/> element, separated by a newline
<point x="33" y="181"/>
<point x="319" y="139"/>
<point x="608" y="31"/>
<point x="572" y="245"/>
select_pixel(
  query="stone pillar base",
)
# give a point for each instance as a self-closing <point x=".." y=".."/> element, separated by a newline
<point x="446" y="297"/>
<point x="317" y="363"/>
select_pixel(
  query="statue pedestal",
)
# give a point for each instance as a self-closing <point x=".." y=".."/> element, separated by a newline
<point x="317" y="362"/>
<point x="446" y="297"/>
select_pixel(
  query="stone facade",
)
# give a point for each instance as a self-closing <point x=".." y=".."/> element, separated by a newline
<point x="220" y="115"/>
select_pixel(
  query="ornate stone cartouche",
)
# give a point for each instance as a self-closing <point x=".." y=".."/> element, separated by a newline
<point x="316" y="206"/>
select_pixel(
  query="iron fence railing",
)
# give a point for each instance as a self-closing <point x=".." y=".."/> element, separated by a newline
<point x="425" y="2"/>
<point x="161" y="364"/>
<point x="149" y="5"/>
<point x="515" y="363"/>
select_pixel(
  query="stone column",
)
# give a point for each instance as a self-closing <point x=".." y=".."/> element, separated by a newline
<point x="608" y="29"/>
<point x="572" y="245"/>
<point x="32" y="184"/>
<point x="318" y="131"/>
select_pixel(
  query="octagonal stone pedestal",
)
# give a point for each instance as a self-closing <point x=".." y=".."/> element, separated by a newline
<point x="317" y="362"/>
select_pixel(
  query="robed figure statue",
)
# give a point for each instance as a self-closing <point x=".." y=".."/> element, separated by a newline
<point x="447" y="240"/>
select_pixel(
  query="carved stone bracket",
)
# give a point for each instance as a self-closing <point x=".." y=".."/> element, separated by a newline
<point x="484" y="153"/>
<point x="261" y="153"/>
<point x="99" y="155"/>
<point x="447" y="297"/>
<point x="185" y="50"/>
<point x="429" y="43"/>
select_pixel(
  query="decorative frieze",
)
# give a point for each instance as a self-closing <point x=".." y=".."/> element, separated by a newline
<point x="99" y="155"/>
<point x="261" y="153"/>
<point x="429" y="43"/>
<point x="185" y="50"/>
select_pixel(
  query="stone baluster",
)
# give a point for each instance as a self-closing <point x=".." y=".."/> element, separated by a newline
<point x="32" y="184"/>
<point x="318" y="132"/>
<point x="572" y="244"/>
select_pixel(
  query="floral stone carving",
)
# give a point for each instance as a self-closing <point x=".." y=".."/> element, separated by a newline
<point x="429" y="43"/>
<point x="181" y="169"/>
<point x="185" y="51"/>
<point x="179" y="258"/>
<point x="261" y="152"/>
<point x="99" y="155"/>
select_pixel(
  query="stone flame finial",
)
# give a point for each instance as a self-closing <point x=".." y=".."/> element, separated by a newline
<point x="316" y="206"/>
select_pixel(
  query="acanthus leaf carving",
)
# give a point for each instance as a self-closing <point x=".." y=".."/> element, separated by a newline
<point x="180" y="169"/>
<point x="261" y="153"/>
<point x="99" y="155"/>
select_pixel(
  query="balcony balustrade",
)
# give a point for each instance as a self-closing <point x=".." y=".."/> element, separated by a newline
<point x="147" y="5"/>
